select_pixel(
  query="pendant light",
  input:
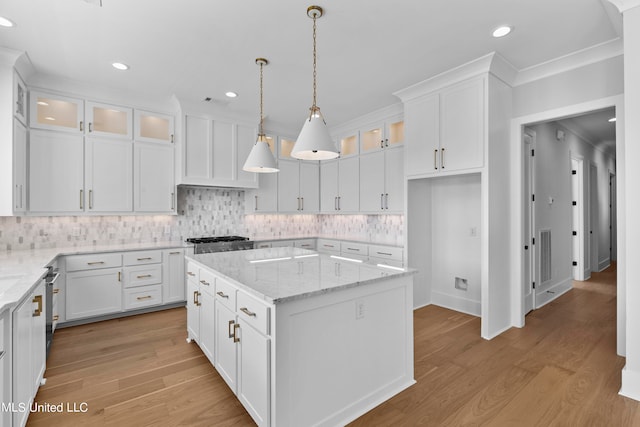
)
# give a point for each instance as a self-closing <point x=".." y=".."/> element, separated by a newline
<point x="314" y="141"/>
<point x="261" y="158"/>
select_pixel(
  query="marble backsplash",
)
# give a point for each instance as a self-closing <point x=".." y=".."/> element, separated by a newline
<point x="201" y="211"/>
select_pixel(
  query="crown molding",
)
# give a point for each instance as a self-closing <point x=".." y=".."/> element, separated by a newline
<point x="624" y="5"/>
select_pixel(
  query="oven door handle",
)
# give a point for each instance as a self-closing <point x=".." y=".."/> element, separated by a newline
<point x="53" y="280"/>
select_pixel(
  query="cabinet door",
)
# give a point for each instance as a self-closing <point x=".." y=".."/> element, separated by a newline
<point x="223" y="160"/>
<point x="193" y="310"/>
<point x="109" y="175"/>
<point x="225" y="347"/>
<point x="38" y="336"/>
<point x="55" y="112"/>
<point x="423" y="135"/>
<point x="23" y="358"/>
<point x="372" y="139"/>
<point x="288" y="186"/>
<point x="19" y="167"/>
<point x="394" y="132"/>
<point x="254" y="364"/>
<point x="153" y="178"/>
<point x="329" y="186"/>
<point x="207" y="325"/>
<point x="197" y="148"/>
<point x="109" y="120"/>
<point x="310" y="187"/>
<point x="349" y="185"/>
<point x="348" y="145"/>
<point x="173" y="276"/>
<point x="462" y="126"/>
<point x="394" y="180"/>
<point x="93" y="293"/>
<point x="265" y="198"/>
<point x="372" y="182"/>
<point x="153" y="127"/>
<point x="56" y="172"/>
<point x="245" y="139"/>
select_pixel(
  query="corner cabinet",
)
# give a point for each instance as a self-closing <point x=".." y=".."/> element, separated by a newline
<point x="445" y="130"/>
<point x="214" y="153"/>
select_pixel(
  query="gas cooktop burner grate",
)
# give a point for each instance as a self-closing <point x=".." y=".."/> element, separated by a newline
<point x="220" y="244"/>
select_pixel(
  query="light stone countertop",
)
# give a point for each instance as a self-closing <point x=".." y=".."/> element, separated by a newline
<point x="278" y="275"/>
<point x="20" y="271"/>
<point x="263" y="238"/>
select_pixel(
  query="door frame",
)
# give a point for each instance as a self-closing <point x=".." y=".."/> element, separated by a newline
<point x="577" y="214"/>
<point x="517" y="215"/>
<point x="529" y="182"/>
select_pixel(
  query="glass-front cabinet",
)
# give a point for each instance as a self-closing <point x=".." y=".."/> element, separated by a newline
<point x="286" y="146"/>
<point x="383" y="135"/>
<point x="20" y="98"/>
<point x="54" y="112"/>
<point x="153" y="127"/>
<point x="109" y="120"/>
<point x="349" y="145"/>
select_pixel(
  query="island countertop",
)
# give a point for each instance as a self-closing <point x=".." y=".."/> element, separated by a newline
<point x="283" y="274"/>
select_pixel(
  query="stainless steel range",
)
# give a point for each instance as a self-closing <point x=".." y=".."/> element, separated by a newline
<point x="205" y="245"/>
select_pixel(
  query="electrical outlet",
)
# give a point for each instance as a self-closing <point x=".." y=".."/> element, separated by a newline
<point x="473" y="232"/>
<point x="359" y="310"/>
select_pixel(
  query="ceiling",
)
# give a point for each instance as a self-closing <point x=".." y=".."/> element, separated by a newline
<point x="595" y="128"/>
<point x="366" y="49"/>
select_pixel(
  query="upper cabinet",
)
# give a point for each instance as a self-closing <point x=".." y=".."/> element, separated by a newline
<point x="389" y="133"/>
<point x="153" y="127"/>
<point x="56" y="112"/>
<point x="109" y="120"/>
<point x="285" y="147"/>
<point x="215" y="152"/>
<point x="445" y="130"/>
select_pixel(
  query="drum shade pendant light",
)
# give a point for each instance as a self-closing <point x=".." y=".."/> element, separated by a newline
<point x="314" y="141"/>
<point x="261" y="158"/>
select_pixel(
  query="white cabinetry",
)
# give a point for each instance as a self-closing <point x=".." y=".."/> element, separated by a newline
<point x="376" y="254"/>
<point x="201" y="322"/>
<point x="154" y="189"/>
<point x="19" y="167"/>
<point x="19" y="98"/>
<point x="93" y="292"/>
<point x="339" y="185"/>
<point x="173" y="276"/>
<point x="445" y="130"/>
<point x="56" y="112"/>
<point x="5" y="365"/>
<point x="109" y="120"/>
<point x="29" y="351"/>
<point x="153" y="127"/>
<point x="215" y="151"/>
<point x="382" y="181"/>
<point x="56" y="172"/>
<point x="108" y="175"/>
<point x="387" y="134"/>
<point x="298" y="187"/>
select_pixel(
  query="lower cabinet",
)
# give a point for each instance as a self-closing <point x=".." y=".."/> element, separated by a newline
<point x="172" y="275"/>
<point x="94" y="292"/>
<point x="236" y="327"/>
<point x="29" y="352"/>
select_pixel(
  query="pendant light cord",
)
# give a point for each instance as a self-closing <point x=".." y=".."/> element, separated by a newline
<point x="314" y="106"/>
<point x="261" y="132"/>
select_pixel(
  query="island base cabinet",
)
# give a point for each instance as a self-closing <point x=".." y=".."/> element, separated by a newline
<point x="225" y="346"/>
<point x="193" y="311"/>
<point x="207" y="325"/>
<point x="254" y="365"/>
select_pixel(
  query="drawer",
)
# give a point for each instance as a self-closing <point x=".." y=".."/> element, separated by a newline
<point x="142" y="275"/>
<point x="331" y="246"/>
<point x="386" y="252"/>
<point x="354" y="248"/>
<point x="142" y="296"/>
<point x="390" y="262"/>
<point x="305" y="244"/>
<point x="253" y="312"/>
<point x="281" y="243"/>
<point x="207" y="282"/>
<point x="93" y="262"/>
<point x="226" y="294"/>
<point x="262" y="245"/>
<point x="193" y="272"/>
<point x="142" y="257"/>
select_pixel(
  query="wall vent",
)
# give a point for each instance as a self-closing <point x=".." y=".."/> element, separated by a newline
<point x="545" y="255"/>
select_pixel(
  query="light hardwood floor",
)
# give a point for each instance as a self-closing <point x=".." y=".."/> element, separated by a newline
<point x="560" y="370"/>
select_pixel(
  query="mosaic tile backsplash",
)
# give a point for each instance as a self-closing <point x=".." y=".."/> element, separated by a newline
<point x="202" y="211"/>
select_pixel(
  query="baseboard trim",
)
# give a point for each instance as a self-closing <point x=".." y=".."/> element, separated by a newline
<point x="558" y="290"/>
<point x="452" y="302"/>
<point x="604" y="264"/>
<point x="630" y="384"/>
<point x="120" y="314"/>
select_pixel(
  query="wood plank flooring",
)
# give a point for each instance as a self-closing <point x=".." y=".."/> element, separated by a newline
<point x="560" y="370"/>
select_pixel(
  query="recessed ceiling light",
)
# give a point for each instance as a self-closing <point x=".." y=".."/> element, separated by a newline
<point x="6" y="22"/>
<point x="502" y="31"/>
<point x="231" y="94"/>
<point x="612" y="119"/>
<point x="120" y="66"/>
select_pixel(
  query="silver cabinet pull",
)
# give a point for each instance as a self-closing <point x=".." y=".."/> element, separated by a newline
<point x="90" y="130"/>
<point x="298" y="203"/>
<point x="246" y="311"/>
<point x="81" y="126"/>
<point x="143" y="298"/>
<point x="354" y="249"/>
<point x="90" y="199"/>
<point x="435" y="159"/>
<point x="222" y="294"/>
<point x="231" y="329"/>
<point x="173" y="203"/>
<point x="386" y="142"/>
<point x="143" y="276"/>
<point x="147" y="258"/>
<point x="95" y="263"/>
<point x="174" y="253"/>
<point x="384" y="253"/>
<point x="339" y="200"/>
<point x="335" y="203"/>
<point x="204" y="282"/>
<point x="302" y="200"/>
<point x="256" y="203"/>
<point x="442" y="158"/>
<point x="190" y="274"/>
<point x="386" y="200"/>
<point x="381" y="200"/>
<point x="81" y="199"/>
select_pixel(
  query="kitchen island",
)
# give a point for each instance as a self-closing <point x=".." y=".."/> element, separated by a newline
<point x="303" y="338"/>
